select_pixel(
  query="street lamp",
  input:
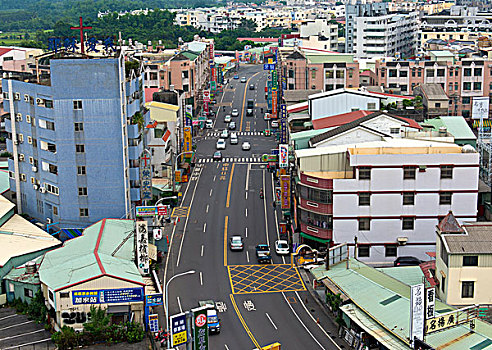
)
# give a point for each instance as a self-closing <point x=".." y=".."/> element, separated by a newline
<point x="167" y="302"/>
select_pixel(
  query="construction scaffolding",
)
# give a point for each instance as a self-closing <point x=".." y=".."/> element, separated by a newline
<point x="484" y="146"/>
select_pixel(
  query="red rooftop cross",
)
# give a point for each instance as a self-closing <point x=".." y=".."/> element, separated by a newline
<point x="81" y="28"/>
<point x="145" y="157"/>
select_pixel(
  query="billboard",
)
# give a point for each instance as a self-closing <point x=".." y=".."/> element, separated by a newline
<point x="285" y="188"/>
<point x="179" y="333"/>
<point x="188" y="144"/>
<point x="283" y="152"/>
<point x="149" y="211"/>
<point x="200" y="328"/>
<point x="480" y="108"/>
<point x="142" y="240"/>
<point x="107" y="296"/>
<point x="417" y="311"/>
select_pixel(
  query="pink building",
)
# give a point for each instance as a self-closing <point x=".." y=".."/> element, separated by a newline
<point x="461" y="80"/>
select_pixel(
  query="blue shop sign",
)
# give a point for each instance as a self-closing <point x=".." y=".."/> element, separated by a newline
<point x="269" y="66"/>
<point x="106" y="296"/>
<point x="153" y="299"/>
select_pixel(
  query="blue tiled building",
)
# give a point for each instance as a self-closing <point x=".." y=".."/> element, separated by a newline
<point x="74" y="144"/>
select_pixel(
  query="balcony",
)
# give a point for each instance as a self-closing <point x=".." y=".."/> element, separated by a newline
<point x="315" y="206"/>
<point x="133" y="132"/>
<point x="316" y="231"/>
<point x="134" y="152"/>
<point x="311" y="181"/>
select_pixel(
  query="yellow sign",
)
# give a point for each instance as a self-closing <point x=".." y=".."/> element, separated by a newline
<point x="274" y="346"/>
<point x="177" y="176"/>
<point x="441" y="322"/>
<point x="187" y="139"/>
<point x="180" y="338"/>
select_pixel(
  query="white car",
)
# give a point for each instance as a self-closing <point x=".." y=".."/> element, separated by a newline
<point x="221" y="144"/>
<point x="246" y="146"/>
<point x="235" y="112"/>
<point x="282" y="247"/>
<point x="274" y="124"/>
<point x="209" y="124"/>
<point x="227" y="118"/>
<point x="234" y="139"/>
<point x="224" y="134"/>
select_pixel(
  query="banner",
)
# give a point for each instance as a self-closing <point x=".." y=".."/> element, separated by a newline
<point x="187" y="139"/>
<point x="200" y="328"/>
<point x="274" y="102"/>
<point x="283" y="152"/>
<point x="145" y="177"/>
<point x="106" y="296"/>
<point x="179" y="334"/>
<point x="188" y="115"/>
<point x="142" y="247"/>
<point x="480" y="108"/>
<point x="285" y="188"/>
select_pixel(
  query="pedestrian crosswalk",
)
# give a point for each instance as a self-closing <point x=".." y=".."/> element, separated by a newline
<point x="239" y="133"/>
<point x="231" y="160"/>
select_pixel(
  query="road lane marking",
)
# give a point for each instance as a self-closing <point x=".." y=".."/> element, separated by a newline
<point x="229" y="187"/>
<point x="244" y="100"/>
<point x="26" y="344"/>
<point x="3" y="318"/>
<point x="201" y="279"/>
<point x="206" y="210"/>
<point x="246" y="212"/>
<point x="215" y="177"/>
<point x="302" y="323"/>
<point x="322" y="329"/>
<point x="247" y="256"/>
<point x="179" y="305"/>
<point x="247" y="178"/>
<point x="210" y="195"/>
<point x="227" y="348"/>
<point x="245" y="326"/>
<point x="273" y="324"/>
<point x="204" y="227"/>
<point x="265" y="208"/>
<point x="22" y="335"/>
<point x="246" y="195"/>
<point x="246" y="232"/>
<point x="201" y="253"/>
<point x="225" y="240"/>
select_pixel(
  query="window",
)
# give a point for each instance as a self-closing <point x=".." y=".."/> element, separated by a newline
<point x="48" y="103"/>
<point x="78" y="126"/>
<point x="364" y="199"/>
<point x="408" y="198"/>
<point x="467" y="86"/>
<point x="470" y="260"/>
<point x="364" y="173"/>
<point x="291" y="73"/>
<point x="83" y="212"/>
<point x="456" y="86"/>
<point x="390" y="250"/>
<point x="467" y="289"/>
<point x="53" y="169"/>
<point x="371" y="106"/>
<point x="443" y="283"/>
<point x="440" y="72"/>
<point x="81" y="170"/>
<point x="430" y="73"/>
<point x="445" y="198"/>
<point x="80" y="148"/>
<point x="446" y="171"/>
<point x="466" y="100"/>
<point x="451" y="72"/>
<point x="419" y="73"/>
<point x="55" y="211"/>
<point x="77" y="104"/>
<point x="408" y="172"/>
<point x="364" y="224"/>
<point x="477" y="72"/>
<point x="28" y="293"/>
<point x="467" y="72"/>
<point x="363" y="250"/>
<point x="392" y="73"/>
<point x="403" y="73"/>
<point x="477" y="86"/>
<point x="408" y="224"/>
<point x="329" y="74"/>
<point x="52" y="189"/>
<point x="64" y="295"/>
<point x="404" y="87"/>
<point x="340" y="74"/>
<point x="394" y="131"/>
<point x="82" y="191"/>
<point x="185" y="75"/>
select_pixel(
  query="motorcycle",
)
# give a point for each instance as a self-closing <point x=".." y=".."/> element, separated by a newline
<point x="261" y="194"/>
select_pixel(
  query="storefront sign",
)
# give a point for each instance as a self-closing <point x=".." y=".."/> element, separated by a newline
<point x="177" y="176"/>
<point x="206" y="95"/>
<point x="187" y="139"/>
<point x="154" y="323"/>
<point x="268" y="66"/>
<point x="145" y="176"/>
<point x="142" y="239"/>
<point x="188" y="115"/>
<point x="179" y="334"/>
<point x="283" y="151"/>
<point x="200" y="328"/>
<point x="107" y="296"/>
<point x="417" y="312"/>
<point x="283" y="123"/>
<point x="285" y="188"/>
<point x="480" y="108"/>
<point x="430" y="302"/>
<point x="274" y="103"/>
<point x="153" y="299"/>
<point x="152" y="211"/>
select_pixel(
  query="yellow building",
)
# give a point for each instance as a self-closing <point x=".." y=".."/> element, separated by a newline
<point x="464" y="262"/>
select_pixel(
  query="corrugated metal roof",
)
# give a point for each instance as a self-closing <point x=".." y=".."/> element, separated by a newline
<point x="409" y="275"/>
<point x="477" y="239"/>
<point x="78" y="260"/>
<point x="455" y="125"/>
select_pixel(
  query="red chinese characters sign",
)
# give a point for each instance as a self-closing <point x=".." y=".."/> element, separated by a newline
<point x="285" y="188"/>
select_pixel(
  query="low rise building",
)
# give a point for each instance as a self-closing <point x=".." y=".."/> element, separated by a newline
<point x="434" y="99"/>
<point x="389" y="193"/>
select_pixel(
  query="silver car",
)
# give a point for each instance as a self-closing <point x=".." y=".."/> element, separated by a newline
<point x="236" y="243"/>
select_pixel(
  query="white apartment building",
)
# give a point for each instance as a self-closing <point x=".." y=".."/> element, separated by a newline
<point x="389" y="194"/>
<point x="319" y="34"/>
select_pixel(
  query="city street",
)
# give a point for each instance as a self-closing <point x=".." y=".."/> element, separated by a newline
<point x="259" y="304"/>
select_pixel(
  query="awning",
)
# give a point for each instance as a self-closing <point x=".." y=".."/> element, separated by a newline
<point x="485" y="123"/>
<point x="313" y="238"/>
<point x="72" y="232"/>
<point x="373" y="328"/>
<point x="118" y="309"/>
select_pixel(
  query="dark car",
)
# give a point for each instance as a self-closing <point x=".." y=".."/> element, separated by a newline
<point x="407" y="261"/>
<point x="263" y="254"/>
<point x="251" y="87"/>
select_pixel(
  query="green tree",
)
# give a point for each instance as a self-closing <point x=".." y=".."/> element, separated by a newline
<point x="98" y="323"/>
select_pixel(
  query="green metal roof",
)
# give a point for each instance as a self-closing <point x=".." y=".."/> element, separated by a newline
<point x="410" y="275"/>
<point x="190" y="55"/>
<point x="105" y="248"/>
<point x="330" y="58"/>
<point x="456" y="126"/>
<point x="302" y="138"/>
<point x="386" y="300"/>
<point x="19" y="274"/>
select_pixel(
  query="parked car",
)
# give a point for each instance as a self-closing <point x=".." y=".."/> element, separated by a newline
<point x="263" y="254"/>
<point x="282" y="247"/>
<point x="246" y="146"/>
<point x="220" y="144"/>
<point x="224" y="134"/>
<point x="227" y="118"/>
<point x="407" y="261"/>
<point x="232" y="125"/>
<point x="235" y="112"/>
<point x="217" y="155"/>
<point x="236" y="243"/>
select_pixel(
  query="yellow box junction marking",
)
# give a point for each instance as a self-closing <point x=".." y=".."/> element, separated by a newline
<point x="180" y="211"/>
<point x="246" y="279"/>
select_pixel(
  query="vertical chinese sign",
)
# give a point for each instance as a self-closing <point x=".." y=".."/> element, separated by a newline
<point x="200" y="328"/>
<point x="283" y="155"/>
<point x="285" y="188"/>
<point x="187" y="139"/>
<point x="179" y="333"/>
<point x="142" y="240"/>
<point x="145" y="177"/>
<point x="206" y="100"/>
<point x="283" y="123"/>
<point x="417" y="312"/>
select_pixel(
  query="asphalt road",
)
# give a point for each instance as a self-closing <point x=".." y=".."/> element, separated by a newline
<point x="263" y="303"/>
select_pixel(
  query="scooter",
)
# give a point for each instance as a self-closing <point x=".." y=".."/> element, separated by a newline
<point x="261" y="194"/>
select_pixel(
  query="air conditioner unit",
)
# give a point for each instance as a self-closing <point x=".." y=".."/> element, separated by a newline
<point x="28" y="119"/>
<point x="402" y="240"/>
<point x="34" y="169"/>
<point x="40" y="102"/>
<point x="48" y="220"/>
<point x="5" y="95"/>
<point x="35" y="187"/>
<point x="16" y="96"/>
<point x="18" y="117"/>
<point x="23" y="177"/>
<point x="21" y="157"/>
<point x="26" y="98"/>
<point x="42" y="190"/>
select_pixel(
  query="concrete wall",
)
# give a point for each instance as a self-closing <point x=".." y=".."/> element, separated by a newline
<point x="340" y="103"/>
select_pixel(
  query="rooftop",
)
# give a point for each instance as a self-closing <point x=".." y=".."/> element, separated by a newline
<point x="477" y="239"/>
<point x="104" y="249"/>
<point x="455" y="125"/>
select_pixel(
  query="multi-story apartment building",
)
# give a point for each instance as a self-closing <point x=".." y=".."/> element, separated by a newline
<point x="390" y="194"/>
<point x="75" y="141"/>
<point x="326" y="72"/>
<point x="461" y="80"/>
<point x="464" y="262"/>
<point x="319" y="34"/>
<point x="460" y="23"/>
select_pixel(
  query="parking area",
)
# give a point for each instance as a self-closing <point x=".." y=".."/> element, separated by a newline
<point x="17" y="332"/>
